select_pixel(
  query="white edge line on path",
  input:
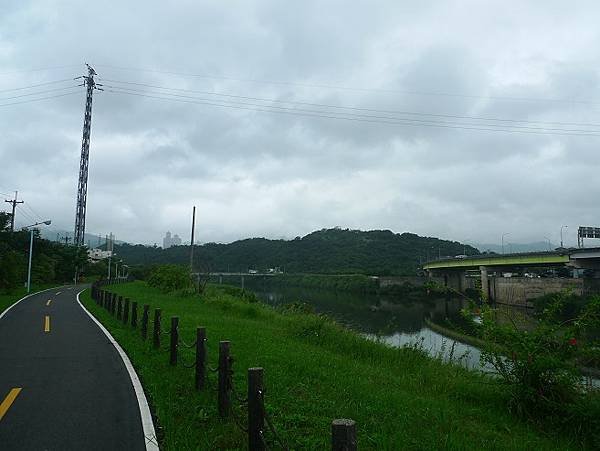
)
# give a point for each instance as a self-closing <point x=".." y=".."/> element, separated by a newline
<point x="147" y="424"/>
<point x="23" y="298"/>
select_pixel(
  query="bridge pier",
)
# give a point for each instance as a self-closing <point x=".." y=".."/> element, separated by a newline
<point x="485" y="283"/>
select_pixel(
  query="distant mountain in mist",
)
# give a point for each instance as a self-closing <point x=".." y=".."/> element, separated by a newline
<point x="516" y="247"/>
<point x="91" y="240"/>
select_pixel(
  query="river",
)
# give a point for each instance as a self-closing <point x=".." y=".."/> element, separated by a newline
<point x="387" y="319"/>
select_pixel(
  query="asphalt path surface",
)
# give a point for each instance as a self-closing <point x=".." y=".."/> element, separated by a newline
<point x="75" y="391"/>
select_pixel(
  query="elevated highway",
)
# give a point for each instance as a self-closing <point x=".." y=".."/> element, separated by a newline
<point x="577" y="258"/>
<point x="453" y="270"/>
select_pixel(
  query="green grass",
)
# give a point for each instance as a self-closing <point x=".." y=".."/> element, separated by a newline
<point x="316" y="371"/>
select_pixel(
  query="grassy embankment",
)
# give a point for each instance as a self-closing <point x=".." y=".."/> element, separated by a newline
<point x="316" y="371"/>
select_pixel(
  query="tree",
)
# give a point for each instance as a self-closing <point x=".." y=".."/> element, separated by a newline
<point x="5" y="220"/>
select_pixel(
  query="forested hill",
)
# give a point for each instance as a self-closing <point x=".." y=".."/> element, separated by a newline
<point x="327" y="251"/>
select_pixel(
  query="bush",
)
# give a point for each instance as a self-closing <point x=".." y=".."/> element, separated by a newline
<point x="170" y="278"/>
<point x="540" y="366"/>
<point x="12" y="269"/>
<point x="571" y="305"/>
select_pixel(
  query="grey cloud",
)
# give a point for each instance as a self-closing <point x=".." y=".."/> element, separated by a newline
<point x="281" y="175"/>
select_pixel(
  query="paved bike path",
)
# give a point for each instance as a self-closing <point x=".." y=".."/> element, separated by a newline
<point x="75" y="392"/>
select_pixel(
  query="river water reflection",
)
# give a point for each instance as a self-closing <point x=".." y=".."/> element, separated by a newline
<point x="391" y="320"/>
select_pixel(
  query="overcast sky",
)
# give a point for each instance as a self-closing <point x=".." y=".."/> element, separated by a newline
<point x="414" y="78"/>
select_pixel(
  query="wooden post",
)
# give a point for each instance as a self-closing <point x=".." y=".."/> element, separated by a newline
<point x="145" y="322"/>
<point x="134" y="314"/>
<point x="126" y="311"/>
<point x="200" y="357"/>
<point x="156" y="332"/>
<point x="343" y="435"/>
<point x="119" y="305"/>
<point x="113" y="308"/>
<point x="256" y="414"/>
<point x="174" y="340"/>
<point x="224" y="368"/>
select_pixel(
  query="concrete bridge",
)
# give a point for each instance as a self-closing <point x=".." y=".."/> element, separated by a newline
<point x="461" y="273"/>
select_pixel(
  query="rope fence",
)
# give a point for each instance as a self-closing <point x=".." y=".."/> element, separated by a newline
<point x="258" y="424"/>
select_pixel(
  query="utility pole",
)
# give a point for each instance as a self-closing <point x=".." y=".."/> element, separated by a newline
<point x="192" y="240"/>
<point x="90" y="83"/>
<point x="14" y="207"/>
<point x="67" y="239"/>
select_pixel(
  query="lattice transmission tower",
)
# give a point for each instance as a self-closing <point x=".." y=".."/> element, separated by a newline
<point x="91" y="85"/>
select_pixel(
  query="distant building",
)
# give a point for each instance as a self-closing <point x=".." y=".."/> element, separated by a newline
<point x="95" y="255"/>
<point x="169" y="241"/>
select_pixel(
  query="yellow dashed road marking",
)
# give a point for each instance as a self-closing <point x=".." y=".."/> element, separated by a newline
<point x="49" y="302"/>
<point x="47" y="324"/>
<point x="10" y="398"/>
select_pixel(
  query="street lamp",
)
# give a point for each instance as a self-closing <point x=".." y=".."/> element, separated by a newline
<point x="503" y="235"/>
<point x="548" y="239"/>
<point x="31" y="249"/>
<point x="110" y="255"/>
<point x="117" y="268"/>
<point x="465" y="246"/>
<point x="561" y="235"/>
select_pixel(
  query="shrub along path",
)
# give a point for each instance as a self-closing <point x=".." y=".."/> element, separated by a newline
<point x="315" y="371"/>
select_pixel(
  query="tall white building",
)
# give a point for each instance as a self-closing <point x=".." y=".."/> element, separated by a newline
<point x="169" y="240"/>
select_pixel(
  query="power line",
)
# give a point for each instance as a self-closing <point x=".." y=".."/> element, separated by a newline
<point x="37" y="85"/>
<point x="40" y="69"/>
<point x="350" y="88"/>
<point x="363" y="118"/>
<point x="39" y="92"/>
<point x="41" y="98"/>
<point x="28" y="216"/>
<point x="38" y="216"/>
<point x="374" y="110"/>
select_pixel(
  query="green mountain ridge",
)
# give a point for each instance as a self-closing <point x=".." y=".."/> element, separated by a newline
<point x="326" y="251"/>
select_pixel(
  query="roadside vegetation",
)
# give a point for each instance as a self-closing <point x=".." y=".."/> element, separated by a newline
<point x="316" y="371"/>
<point x="52" y="263"/>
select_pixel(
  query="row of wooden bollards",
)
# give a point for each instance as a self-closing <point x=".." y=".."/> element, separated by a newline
<point x="343" y="431"/>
